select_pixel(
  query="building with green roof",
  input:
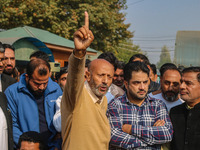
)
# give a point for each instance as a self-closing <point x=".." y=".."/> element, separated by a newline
<point x="28" y="39"/>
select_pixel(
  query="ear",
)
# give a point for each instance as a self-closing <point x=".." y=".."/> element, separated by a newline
<point x="149" y="81"/>
<point x="149" y="68"/>
<point x="50" y="74"/>
<point x="156" y="77"/>
<point x="126" y="84"/>
<point x="161" y="79"/>
<point x="88" y="76"/>
<point x="26" y="77"/>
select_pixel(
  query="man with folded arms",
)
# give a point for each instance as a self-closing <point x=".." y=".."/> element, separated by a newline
<point x="137" y="120"/>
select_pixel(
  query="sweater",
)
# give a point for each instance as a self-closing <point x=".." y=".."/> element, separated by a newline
<point x="84" y="123"/>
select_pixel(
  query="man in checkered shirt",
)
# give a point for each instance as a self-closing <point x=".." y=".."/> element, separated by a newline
<point x="137" y="120"/>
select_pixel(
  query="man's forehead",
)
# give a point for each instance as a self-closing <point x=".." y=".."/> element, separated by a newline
<point x="40" y="78"/>
<point x="119" y="71"/>
<point x="138" y="59"/>
<point x="139" y="75"/>
<point x="30" y="145"/>
<point x="9" y="51"/>
<point x="140" y="72"/>
<point x="175" y="76"/>
<point x="189" y="76"/>
<point x="99" y="62"/>
<point x="171" y="72"/>
<point x="99" y="65"/>
<point x="104" y="70"/>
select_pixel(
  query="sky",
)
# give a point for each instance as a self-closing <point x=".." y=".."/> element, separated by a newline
<point x="156" y="22"/>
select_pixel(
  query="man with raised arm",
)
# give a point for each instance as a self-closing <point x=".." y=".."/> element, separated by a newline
<point x="83" y="105"/>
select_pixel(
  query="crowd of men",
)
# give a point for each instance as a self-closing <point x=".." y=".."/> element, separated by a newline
<point x="97" y="105"/>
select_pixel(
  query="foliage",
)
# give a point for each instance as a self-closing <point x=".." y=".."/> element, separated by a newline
<point x="164" y="56"/>
<point x="126" y="49"/>
<point x="63" y="17"/>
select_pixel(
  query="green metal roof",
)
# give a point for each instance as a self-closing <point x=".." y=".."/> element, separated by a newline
<point x="11" y="35"/>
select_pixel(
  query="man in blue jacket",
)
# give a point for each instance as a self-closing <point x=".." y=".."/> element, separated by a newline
<point x="32" y="101"/>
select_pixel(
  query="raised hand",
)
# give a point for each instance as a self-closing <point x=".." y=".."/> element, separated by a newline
<point x="83" y="37"/>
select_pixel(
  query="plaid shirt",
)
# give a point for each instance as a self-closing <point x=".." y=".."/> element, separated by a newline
<point x="144" y="134"/>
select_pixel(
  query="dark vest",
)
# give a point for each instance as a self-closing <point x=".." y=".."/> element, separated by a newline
<point x="186" y="125"/>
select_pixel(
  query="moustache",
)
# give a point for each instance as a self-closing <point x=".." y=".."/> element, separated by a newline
<point x="141" y="91"/>
<point x="40" y="91"/>
<point x="170" y="96"/>
<point x="170" y="92"/>
<point x="8" y="65"/>
<point x="118" y="81"/>
<point x="103" y="86"/>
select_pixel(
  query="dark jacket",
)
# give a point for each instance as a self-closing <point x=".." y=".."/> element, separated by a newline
<point x="186" y="124"/>
<point x="24" y="109"/>
<point x="6" y="81"/>
<point x="3" y="105"/>
<point x="153" y="86"/>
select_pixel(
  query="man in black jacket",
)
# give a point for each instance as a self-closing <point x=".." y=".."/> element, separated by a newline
<point x="186" y="117"/>
<point x="9" y="62"/>
<point x="5" y="80"/>
<point x="6" y="136"/>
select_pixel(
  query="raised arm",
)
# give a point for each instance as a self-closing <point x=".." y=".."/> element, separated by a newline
<point x="83" y="37"/>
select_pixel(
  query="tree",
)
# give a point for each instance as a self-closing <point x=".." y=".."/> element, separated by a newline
<point x="164" y="56"/>
<point x="126" y="49"/>
<point x="63" y="17"/>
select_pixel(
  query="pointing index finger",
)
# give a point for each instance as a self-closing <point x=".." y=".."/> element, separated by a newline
<point x="86" y="20"/>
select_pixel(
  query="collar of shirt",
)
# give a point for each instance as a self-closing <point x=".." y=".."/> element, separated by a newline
<point x="197" y="106"/>
<point x="93" y="96"/>
<point x="188" y="107"/>
<point x="113" y="89"/>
